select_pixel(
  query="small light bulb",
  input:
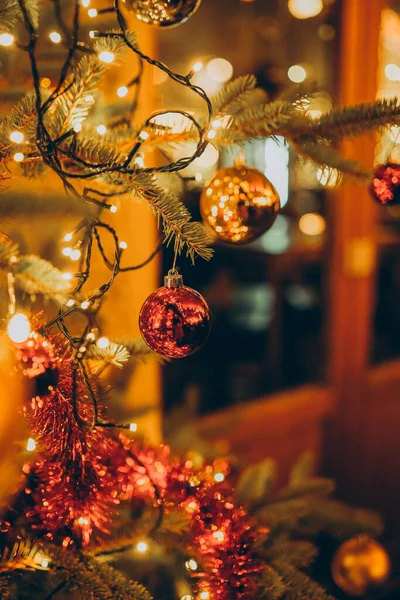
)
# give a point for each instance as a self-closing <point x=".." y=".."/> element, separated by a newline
<point x="141" y="547"/>
<point x="297" y="73"/>
<point x="106" y="56"/>
<point x="122" y="91"/>
<point x="204" y="596"/>
<point x="197" y="67"/>
<point x="44" y="563"/>
<point x="305" y="9"/>
<point x="17" y="137"/>
<point x="143" y="135"/>
<point x="139" y="162"/>
<point x="67" y="237"/>
<point x="70" y="303"/>
<point x="31" y="445"/>
<point x="55" y="37"/>
<point x="198" y="177"/>
<point x="219" y="536"/>
<point x="85" y="3"/>
<point x="219" y="477"/>
<point x="92" y="34"/>
<point x="191" y="565"/>
<point x="67" y="276"/>
<point x="133" y="427"/>
<point x="91" y="337"/>
<point x="67" y="251"/>
<point x="101" y="129"/>
<point x="92" y="12"/>
<point x="103" y="342"/>
<point x="113" y="208"/>
<point x="45" y="82"/>
<point x="75" y="254"/>
<point x="19" y="157"/>
<point x="123" y="245"/>
<point x="85" y="304"/>
<point x="211" y="134"/>
<point x="6" y="39"/>
<point x="18" y="328"/>
<point x="83" y="521"/>
<point x="217" y="123"/>
<point x="77" y="127"/>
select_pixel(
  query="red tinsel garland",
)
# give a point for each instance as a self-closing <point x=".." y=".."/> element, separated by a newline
<point x="83" y="472"/>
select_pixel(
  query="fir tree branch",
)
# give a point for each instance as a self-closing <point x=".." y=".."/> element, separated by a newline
<point x="298" y="553"/>
<point x="122" y="588"/>
<point x="234" y="96"/>
<point x="299" y="585"/>
<point x="256" y="482"/>
<point x="9" y="13"/>
<point x="24" y="554"/>
<point x="332" y="161"/>
<point x="34" y="275"/>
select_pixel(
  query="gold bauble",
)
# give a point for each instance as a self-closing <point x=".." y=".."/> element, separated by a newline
<point x="359" y="564"/>
<point x="239" y="204"/>
<point x="14" y="392"/>
<point x="163" y="13"/>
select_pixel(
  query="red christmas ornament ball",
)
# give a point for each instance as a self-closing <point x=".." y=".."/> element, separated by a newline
<point x="385" y="186"/>
<point x="175" y="320"/>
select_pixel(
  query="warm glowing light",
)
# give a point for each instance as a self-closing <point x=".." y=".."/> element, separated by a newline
<point x="211" y="134"/>
<point x="191" y="565"/>
<point x="123" y="245"/>
<point x="219" y="477"/>
<point x="31" y="445"/>
<point x="219" y="69"/>
<point x="305" y="9"/>
<point x="67" y="251"/>
<point x="18" y="328"/>
<point x="198" y="177"/>
<point x="77" y="127"/>
<point x="91" y="337"/>
<point x="6" y="39"/>
<point x="141" y="547"/>
<point x="101" y="129"/>
<point x="83" y="521"/>
<point x="209" y="157"/>
<point x="204" y="596"/>
<point x="143" y="135"/>
<point x="85" y="304"/>
<point x="328" y="177"/>
<point x="297" y="73"/>
<point x="55" y="37"/>
<point x="113" y="208"/>
<point x="139" y="161"/>
<point x="92" y="12"/>
<point x="45" y="563"/>
<point x="45" y="82"/>
<point x="18" y="157"/>
<point x="122" y="91"/>
<point x="392" y="72"/>
<point x="217" y="124"/>
<point x="103" y="342"/>
<point x="67" y="276"/>
<point x="85" y="3"/>
<point x="17" y="137"/>
<point x="68" y="237"/>
<point x="312" y="224"/>
<point x="106" y="56"/>
<point x="92" y="34"/>
<point x="197" y="67"/>
<point x="219" y="536"/>
<point x="70" y="303"/>
<point x="75" y="254"/>
<point x="133" y="427"/>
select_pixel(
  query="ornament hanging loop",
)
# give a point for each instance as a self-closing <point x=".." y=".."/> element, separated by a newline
<point x="173" y="280"/>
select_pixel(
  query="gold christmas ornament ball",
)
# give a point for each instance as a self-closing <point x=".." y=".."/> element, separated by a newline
<point x="360" y="564"/>
<point x="163" y="13"/>
<point x="239" y="204"/>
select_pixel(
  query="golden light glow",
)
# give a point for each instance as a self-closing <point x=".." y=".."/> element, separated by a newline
<point x="113" y="208"/>
<point x="17" y="137"/>
<point x="122" y="91"/>
<point x="143" y="135"/>
<point x="77" y="127"/>
<point x="142" y="547"/>
<point x="68" y="237"/>
<point x="206" y="595"/>
<point x="18" y="328"/>
<point x="67" y="251"/>
<point x="101" y="129"/>
<point x="191" y="565"/>
<point x="219" y="536"/>
<point x="55" y="37"/>
<point x="70" y="303"/>
<point x="297" y="73"/>
<point x="91" y="337"/>
<point x="92" y="12"/>
<point x="219" y="477"/>
<point x="209" y="157"/>
<point x="44" y="563"/>
<point x="197" y="67"/>
<point x="75" y="254"/>
<point x="83" y="521"/>
<point x="312" y="224"/>
<point x="67" y="276"/>
<point x="133" y="427"/>
<point x="85" y="304"/>
<point x="123" y="245"/>
<point x="305" y="9"/>
<point x="92" y="34"/>
<point x="106" y="56"/>
<point x="18" y="157"/>
<point x="211" y="134"/>
<point x="139" y="161"/>
<point x="45" y="82"/>
<point x="392" y="72"/>
<point x="85" y="3"/>
<point x="31" y="445"/>
<point x="220" y="70"/>
<point x="6" y="39"/>
<point x="103" y="342"/>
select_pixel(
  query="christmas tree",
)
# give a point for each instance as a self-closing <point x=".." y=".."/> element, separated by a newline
<point x="91" y="493"/>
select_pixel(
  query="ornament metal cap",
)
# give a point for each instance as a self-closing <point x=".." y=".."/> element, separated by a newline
<point x="173" y="279"/>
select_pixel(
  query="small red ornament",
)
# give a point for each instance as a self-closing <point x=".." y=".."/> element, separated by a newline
<point x="385" y="186"/>
<point x="175" y="320"/>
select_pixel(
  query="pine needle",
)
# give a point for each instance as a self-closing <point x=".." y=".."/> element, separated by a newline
<point x="9" y="13"/>
<point x="24" y="554"/>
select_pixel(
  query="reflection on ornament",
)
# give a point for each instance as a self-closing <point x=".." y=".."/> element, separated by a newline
<point x="175" y="320"/>
<point x="359" y="564"/>
<point x="385" y="186"/>
<point x="239" y="204"/>
<point x="305" y="9"/>
<point x="163" y="13"/>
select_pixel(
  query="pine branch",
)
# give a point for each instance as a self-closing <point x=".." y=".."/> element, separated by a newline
<point x="24" y="554"/>
<point x="9" y="13"/>
<point x="114" y="354"/>
<point x="331" y="160"/>
<point x="22" y="117"/>
<point x="32" y="8"/>
<point x="344" y="521"/>
<point x="302" y="470"/>
<point x="5" y="589"/>
<point x="299" y="585"/>
<point x="35" y="275"/>
<point x="122" y="588"/>
<point x="316" y="486"/>
<point x="260" y="121"/>
<point x="272" y="585"/>
<point x="256" y="482"/>
<point x="234" y="96"/>
<point x="298" y="553"/>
